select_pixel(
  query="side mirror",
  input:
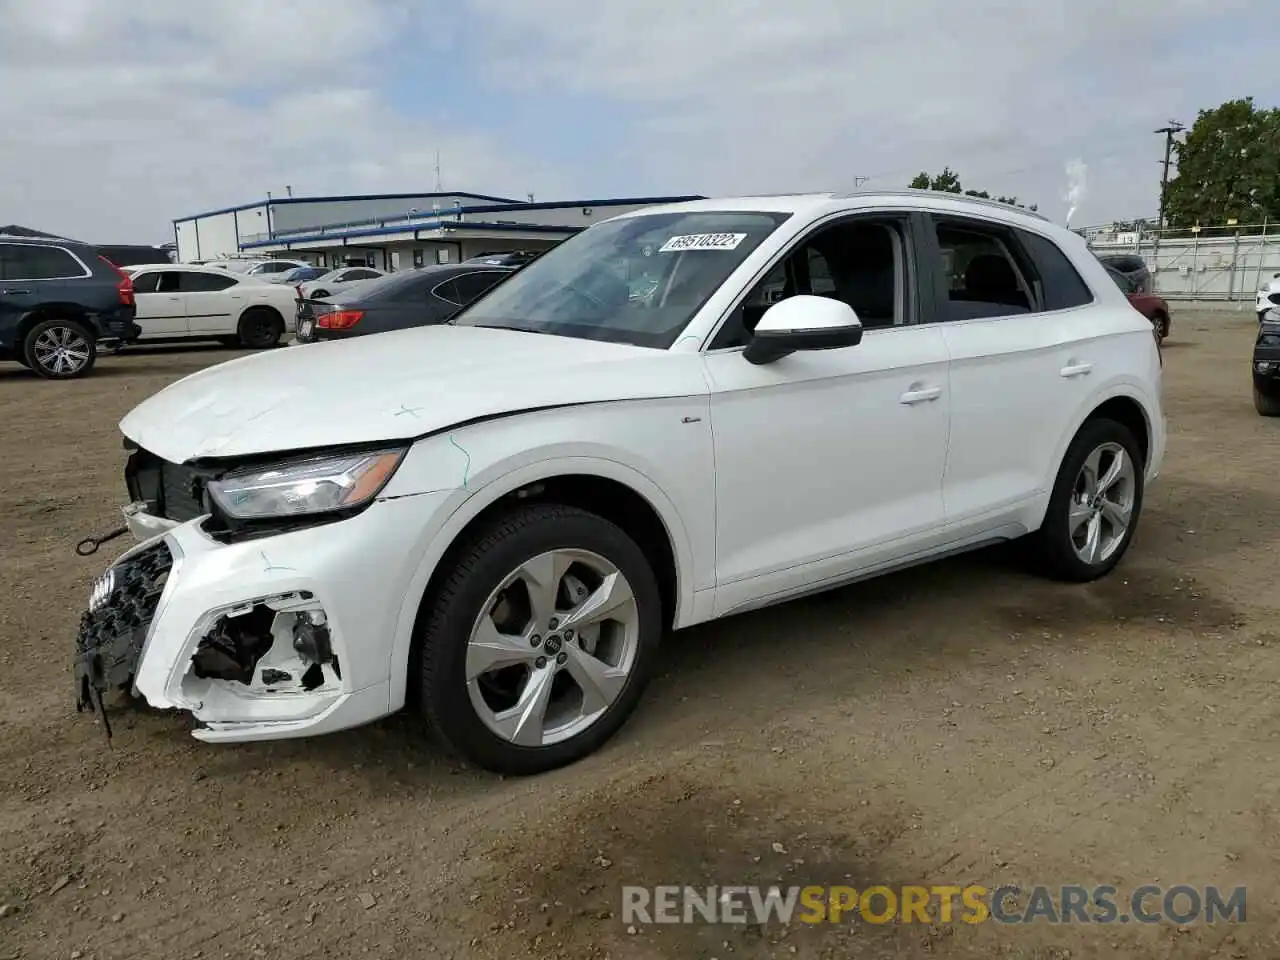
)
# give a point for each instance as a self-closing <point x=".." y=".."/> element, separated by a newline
<point x="803" y="323"/>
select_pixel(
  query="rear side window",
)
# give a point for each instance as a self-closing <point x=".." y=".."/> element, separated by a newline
<point x="203" y="282"/>
<point x="981" y="274"/>
<point x="448" y="291"/>
<point x="471" y="286"/>
<point x="145" y="282"/>
<point x="22" y="262"/>
<point x="1062" y="286"/>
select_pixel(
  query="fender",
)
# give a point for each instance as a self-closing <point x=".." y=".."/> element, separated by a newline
<point x="1126" y="387"/>
<point x="465" y="505"/>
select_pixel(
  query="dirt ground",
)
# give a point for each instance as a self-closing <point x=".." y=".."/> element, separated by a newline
<point x="959" y="723"/>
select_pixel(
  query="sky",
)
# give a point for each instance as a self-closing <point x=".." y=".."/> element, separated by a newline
<point x="120" y="117"/>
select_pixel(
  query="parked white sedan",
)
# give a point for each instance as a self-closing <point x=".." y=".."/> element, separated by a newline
<point x="339" y="279"/>
<point x="497" y="519"/>
<point x="177" y="302"/>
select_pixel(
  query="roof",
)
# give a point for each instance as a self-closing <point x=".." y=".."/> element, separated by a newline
<point x="16" y="230"/>
<point x="817" y="204"/>
<point x="280" y="201"/>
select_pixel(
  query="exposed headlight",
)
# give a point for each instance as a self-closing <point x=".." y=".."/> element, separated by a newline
<point x="320" y="485"/>
<point x="1262" y="366"/>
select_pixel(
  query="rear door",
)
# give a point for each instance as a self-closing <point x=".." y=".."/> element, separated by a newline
<point x="1022" y="340"/>
<point x="161" y="310"/>
<point x="213" y="305"/>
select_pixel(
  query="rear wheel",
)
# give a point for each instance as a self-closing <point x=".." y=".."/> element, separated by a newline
<point x="538" y="646"/>
<point x="1265" y="404"/>
<point x="260" y="328"/>
<point x="1095" y="504"/>
<point x="60" y="349"/>
<point x="1161" y="322"/>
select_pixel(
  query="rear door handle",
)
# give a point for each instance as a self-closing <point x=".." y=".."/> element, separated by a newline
<point x="15" y="292"/>
<point x="921" y="395"/>
<point x="1076" y="369"/>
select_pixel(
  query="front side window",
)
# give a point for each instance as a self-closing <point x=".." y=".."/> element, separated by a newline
<point x="637" y="280"/>
<point x="859" y="262"/>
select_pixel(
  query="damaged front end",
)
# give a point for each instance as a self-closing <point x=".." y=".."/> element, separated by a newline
<point x="275" y="646"/>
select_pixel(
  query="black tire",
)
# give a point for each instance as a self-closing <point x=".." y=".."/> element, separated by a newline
<point x="1053" y="549"/>
<point x="260" y="328"/>
<point x="1265" y="404"/>
<point x="479" y="567"/>
<point x="1161" y="322"/>
<point x="76" y="337"/>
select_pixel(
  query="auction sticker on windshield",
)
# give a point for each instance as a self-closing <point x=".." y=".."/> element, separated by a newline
<point x="703" y="241"/>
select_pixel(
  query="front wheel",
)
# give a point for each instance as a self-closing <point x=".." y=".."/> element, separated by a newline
<point x="1266" y="404"/>
<point x="1094" y="508"/>
<point x="60" y="349"/>
<point x="537" y="647"/>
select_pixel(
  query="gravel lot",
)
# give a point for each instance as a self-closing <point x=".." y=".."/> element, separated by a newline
<point x="959" y="723"/>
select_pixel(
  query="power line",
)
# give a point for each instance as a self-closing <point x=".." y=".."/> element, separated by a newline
<point x="1168" y="131"/>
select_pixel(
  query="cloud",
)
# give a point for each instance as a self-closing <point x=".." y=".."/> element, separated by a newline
<point x="123" y="116"/>
<point x="748" y="95"/>
<point x="128" y="115"/>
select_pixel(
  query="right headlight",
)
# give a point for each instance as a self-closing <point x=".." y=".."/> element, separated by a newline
<point x="303" y="487"/>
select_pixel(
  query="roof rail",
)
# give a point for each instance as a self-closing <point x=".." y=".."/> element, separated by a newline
<point x="914" y="192"/>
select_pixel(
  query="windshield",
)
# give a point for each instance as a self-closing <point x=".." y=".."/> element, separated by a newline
<point x="636" y="280"/>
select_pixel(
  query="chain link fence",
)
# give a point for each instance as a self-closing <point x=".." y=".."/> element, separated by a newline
<point x="1221" y="263"/>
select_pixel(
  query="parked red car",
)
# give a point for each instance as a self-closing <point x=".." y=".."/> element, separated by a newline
<point x="1149" y="305"/>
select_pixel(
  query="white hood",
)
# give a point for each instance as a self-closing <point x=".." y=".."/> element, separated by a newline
<point x="393" y="386"/>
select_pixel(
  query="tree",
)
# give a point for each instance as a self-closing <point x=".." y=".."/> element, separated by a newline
<point x="948" y="181"/>
<point x="1228" y="166"/>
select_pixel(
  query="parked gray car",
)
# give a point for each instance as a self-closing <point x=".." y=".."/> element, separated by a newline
<point x="413" y="298"/>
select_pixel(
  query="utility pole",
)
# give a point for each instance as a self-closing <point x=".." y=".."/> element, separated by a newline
<point x="1174" y="127"/>
<point x="437" y="171"/>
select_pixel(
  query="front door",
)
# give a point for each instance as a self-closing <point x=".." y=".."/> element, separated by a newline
<point x="161" y="310"/>
<point x="829" y="463"/>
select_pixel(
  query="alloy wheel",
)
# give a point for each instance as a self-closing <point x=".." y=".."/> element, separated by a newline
<point x="62" y="351"/>
<point x="1100" y="510"/>
<point x="553" y="648"/>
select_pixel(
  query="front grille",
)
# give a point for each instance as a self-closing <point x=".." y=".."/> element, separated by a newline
<point x="111" y="636"/>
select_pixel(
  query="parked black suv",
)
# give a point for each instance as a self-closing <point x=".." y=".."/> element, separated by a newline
<point x="58" y="299"/>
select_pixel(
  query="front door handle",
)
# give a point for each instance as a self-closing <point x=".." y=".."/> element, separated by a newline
<point x="921" y="395"/>
<point x="15" y="292"/>
<point x="1076" y="369"/>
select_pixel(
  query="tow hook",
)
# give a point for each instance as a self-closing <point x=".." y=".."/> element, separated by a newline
<point x="89" y="545"/>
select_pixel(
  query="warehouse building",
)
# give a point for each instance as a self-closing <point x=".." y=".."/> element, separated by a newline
<point x="391" y="231"/>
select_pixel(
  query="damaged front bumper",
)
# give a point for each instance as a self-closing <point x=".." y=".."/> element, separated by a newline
<point x="283" y="636"/>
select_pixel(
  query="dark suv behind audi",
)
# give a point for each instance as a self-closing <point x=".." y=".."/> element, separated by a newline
<point x="58" y="299"/>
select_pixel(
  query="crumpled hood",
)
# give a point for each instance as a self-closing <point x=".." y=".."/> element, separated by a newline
<point x="393" y="386"/>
